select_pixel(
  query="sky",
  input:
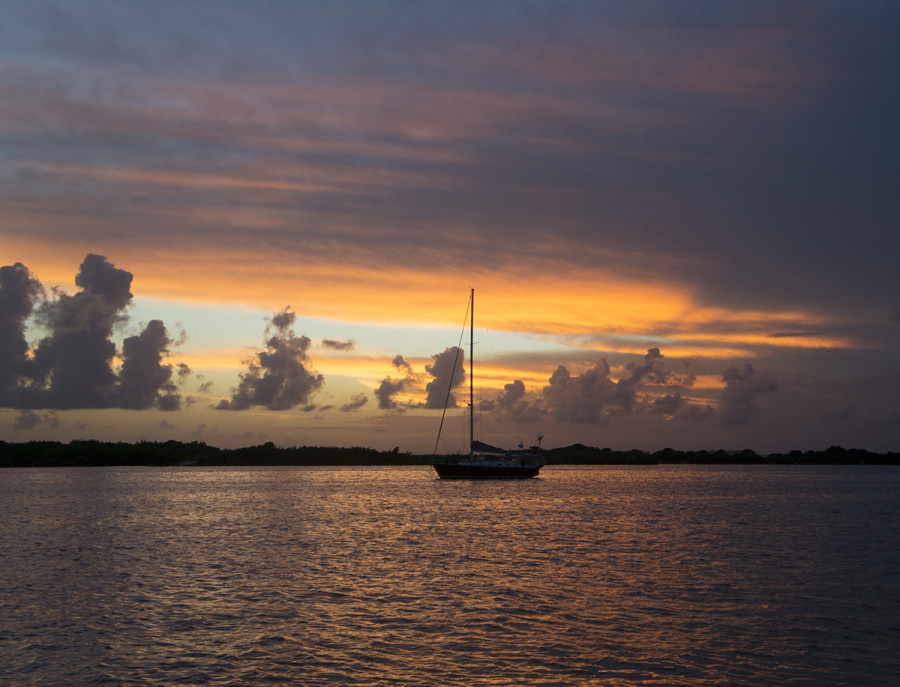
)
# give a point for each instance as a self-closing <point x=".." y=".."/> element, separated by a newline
<point x="240" y="222"/>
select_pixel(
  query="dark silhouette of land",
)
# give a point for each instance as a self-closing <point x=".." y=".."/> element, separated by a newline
<point x="95" y="453"/>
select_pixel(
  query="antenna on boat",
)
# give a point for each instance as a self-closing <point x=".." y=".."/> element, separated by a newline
<point x="472" y="374"/>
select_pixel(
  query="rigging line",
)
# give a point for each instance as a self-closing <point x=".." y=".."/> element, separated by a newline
<point x="450" y="385"/>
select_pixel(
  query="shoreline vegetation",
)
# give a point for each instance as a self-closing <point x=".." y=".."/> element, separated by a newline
<point x="87" y="453"/>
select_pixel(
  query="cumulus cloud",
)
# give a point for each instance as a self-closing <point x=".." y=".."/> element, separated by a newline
<point x="650" y="372"/>
<point x="18" y="292"/>
<point x="280" y="377"/>
<point x="593" y="396"/>
<point x="72" y="367"/>
<point x="512" y="403"/>
<point x="581" y="398"/>
<point x="742" y="387"/>
<point x="512" y="394"/>
<point x="447" y="374"/>
<point x="144" y="382"/>
<point x="77" y="356"/>
<point x="390" y="387"/>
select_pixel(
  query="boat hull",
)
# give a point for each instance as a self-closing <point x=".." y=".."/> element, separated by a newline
<point x="457" y="471"/>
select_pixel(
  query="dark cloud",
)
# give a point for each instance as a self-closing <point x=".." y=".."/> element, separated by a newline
<point x="284" y="319"/>
<point x="650" y="372"/>
<point x="512" y="394"/>
<point x="335" y="345"/>
<point x="390" y="387"/>
<point x="513" y="404"/>
<point x="668" y="404"/>
<point x="281" y="376"/>
<point x="401" y="364"/>
<point x="742" y="387"/>
<point x="356" y="403"/>
<point x="75" y="361"/>
<point x="144" y="382"/>
<point x="102" y="280"/>
<point x="447" y="374"/>
<point x="581" y="398"/>
<point x="387" y="390"/>
<point x="18" y="293"/>
<point x="72" y="367"/>
<point x="446" y="371"/>
<point x="592" y="396"/>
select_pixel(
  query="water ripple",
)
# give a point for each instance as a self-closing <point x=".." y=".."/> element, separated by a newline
<point x="692" y="575"/>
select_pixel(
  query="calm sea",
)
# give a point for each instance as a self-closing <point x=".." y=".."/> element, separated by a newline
<point x="671" y="575"/>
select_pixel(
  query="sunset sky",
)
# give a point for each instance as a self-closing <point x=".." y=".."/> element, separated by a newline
<point x="244" y="222"/>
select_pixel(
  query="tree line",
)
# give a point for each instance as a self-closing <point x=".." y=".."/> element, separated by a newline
<point x="96" y="453"/>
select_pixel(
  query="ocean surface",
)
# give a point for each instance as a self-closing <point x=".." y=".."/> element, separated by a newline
<point x="653" y="575"/>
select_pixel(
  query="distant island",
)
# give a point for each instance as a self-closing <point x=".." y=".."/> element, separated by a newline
<point x="96" y="453"/>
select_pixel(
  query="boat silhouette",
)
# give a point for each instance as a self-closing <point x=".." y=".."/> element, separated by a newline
<point x="484" y="461"/>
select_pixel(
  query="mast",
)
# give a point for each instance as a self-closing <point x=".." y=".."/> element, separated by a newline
<point x="472" y="376"/>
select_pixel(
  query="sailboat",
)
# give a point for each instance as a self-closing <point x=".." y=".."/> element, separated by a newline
<point x="484" y="461"/>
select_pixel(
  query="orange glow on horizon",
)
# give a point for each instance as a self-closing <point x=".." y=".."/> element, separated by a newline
<point x="602" y="312"/>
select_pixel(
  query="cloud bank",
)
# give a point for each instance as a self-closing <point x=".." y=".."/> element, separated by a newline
<point x="647" y="387"/>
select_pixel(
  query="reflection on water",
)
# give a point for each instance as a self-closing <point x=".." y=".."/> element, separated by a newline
<point x="690" y="575"/>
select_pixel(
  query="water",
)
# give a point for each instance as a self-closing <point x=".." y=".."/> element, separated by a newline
<point x="671" y="575"/>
